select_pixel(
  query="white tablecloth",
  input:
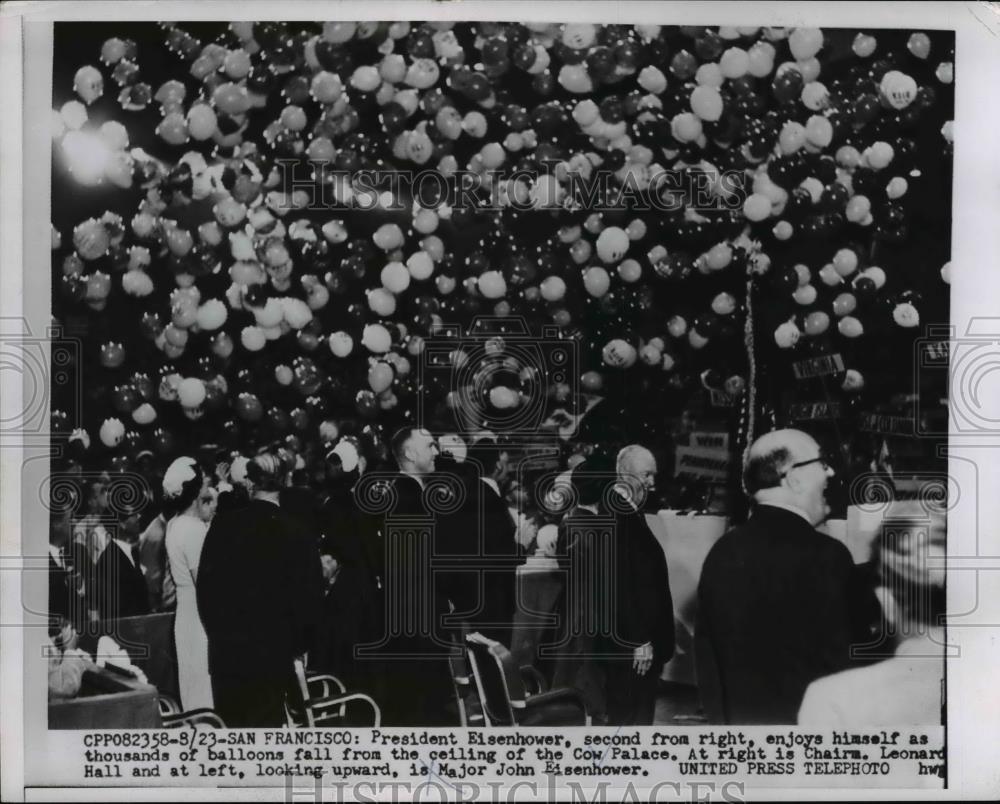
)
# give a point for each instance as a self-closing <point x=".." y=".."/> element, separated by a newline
<point x="686" y="541"/>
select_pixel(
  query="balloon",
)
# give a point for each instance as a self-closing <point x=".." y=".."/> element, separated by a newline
<point x="651" y="79"/>
<point x="757" y="207"/>
<point x="112" y="355"/>
<point x="850" y="327"/>
<point x="388" y="236"/>
<point x="98" y="286"/>
<point x="805" y="295"/>
<point x="553" y="288"/>
<point x="817" y="323"/>
<point x="805" y="42"/>
<point x="677" y="326"/>
<point x="858" y="208"/>
<point x="630" y="270"/>
<point x="723" y="304"/>
<point x="735" y="63"/>
<point x="946" y="273"/>
<point x="845" y="261"/>
<point x="719" y="256"/>
<point x="380" y="376"/>
<point x="783" y="230"/>
<point x="381" y="302"/>
<point x="395" y="277"/>
<point x="828" y="274"/>
<point x="249" y="407"/>
<point x="760" y="59"/>
<point x="111" y="432"/>
<point x="596" y="281"/>
<point x="592" y="381"/>
<point x="575" y="78"/>
<point x="341" y="344"/>
<point x="173" y="129"/>
<point x="879" y="155"/>
<point x="191" y="392"/>
<point x="376" y="338"/>
<point x="864" y="45"/>
<point x="201" y="121"/>
<point x="612" y="243"/>
<point x="88" y="83"/>
<point x="906" y="315"/>
<point x="685" y="127"/>
<point x="492" y="284"/>
<point x="144" y="414"/>
<point x="91" y="239"/>
<point x="137" y="283"/>
<point x="792" y="137"/>
<point x="787" y="335"/>
<point x="252" y="338"/>
<point x="619" y="354"/>
<point x="897" y="89"/>
<point x="875" y="274"/>
<point x="697" y="339"/>
<point x="706" y="103"/>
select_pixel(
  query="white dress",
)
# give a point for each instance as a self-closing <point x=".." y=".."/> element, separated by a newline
<point x="184" y="539"/>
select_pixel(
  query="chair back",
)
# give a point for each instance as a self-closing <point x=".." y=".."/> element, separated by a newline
<point x="498" y="679"/>
<point x="462" y="679"/>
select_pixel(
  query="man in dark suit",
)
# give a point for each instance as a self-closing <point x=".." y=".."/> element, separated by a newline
<point x="63" y="600"/>
<point x="260" y="596"/>
<point x="484" y="530"/>
<point x="780" y="604"/>
<point x="415" y="677"/>
<point x="643" y="607"/>
<point x="119" y="586"/>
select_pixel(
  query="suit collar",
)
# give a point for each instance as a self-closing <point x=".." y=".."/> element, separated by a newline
<point x="793" y="509"/>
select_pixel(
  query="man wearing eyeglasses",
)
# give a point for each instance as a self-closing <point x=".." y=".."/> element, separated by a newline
<point x="780" y="604"/>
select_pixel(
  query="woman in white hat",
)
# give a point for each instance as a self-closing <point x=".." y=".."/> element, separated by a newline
<point x="183" y="488"/>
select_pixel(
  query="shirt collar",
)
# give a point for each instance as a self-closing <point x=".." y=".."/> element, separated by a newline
<point x="489" y="481"/>
<point x="126" y="549"/>
<point x="793" y="508"/>
<point x="56" y="554"/>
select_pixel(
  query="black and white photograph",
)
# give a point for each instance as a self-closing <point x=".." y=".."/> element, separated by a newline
<point x="434" y="383"/>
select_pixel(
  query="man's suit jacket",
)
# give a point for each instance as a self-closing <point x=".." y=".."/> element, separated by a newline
<point x="61" y="595"/>
<point x="259" y="591"/>
<point x="482" y="529"/>
<point x="119" y="585"/>
<point x="644" y="609"/>
<point x="779" y="605"/>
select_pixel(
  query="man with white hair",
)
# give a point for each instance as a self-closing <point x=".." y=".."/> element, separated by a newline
<point x="643" y="607"/>
<point x="779" y="604"/>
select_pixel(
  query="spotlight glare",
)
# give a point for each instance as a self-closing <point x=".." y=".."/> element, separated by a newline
<point x="87" y="156"/>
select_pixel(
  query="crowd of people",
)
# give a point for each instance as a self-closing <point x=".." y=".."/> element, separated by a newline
<point x="266" y="560"/>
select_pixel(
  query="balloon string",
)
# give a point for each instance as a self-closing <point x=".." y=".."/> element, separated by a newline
<point x="751" y="395"/>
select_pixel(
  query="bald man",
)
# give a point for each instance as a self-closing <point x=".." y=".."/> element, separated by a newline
<point x="779" y="604"/>
<point x="643" y="608"/>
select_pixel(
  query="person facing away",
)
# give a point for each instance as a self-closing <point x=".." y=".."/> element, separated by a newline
<point x="259" y="592"/>
<point x="906" y="689"/>
<point x="779" y="603"/>
<point x="184" y="493"/>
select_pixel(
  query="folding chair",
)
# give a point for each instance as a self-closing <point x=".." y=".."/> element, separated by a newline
<point x="505" y="695"/>
<point x="324" y="701"/>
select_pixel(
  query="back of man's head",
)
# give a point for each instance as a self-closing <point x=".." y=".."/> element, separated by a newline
<point x="399" y="443"/>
